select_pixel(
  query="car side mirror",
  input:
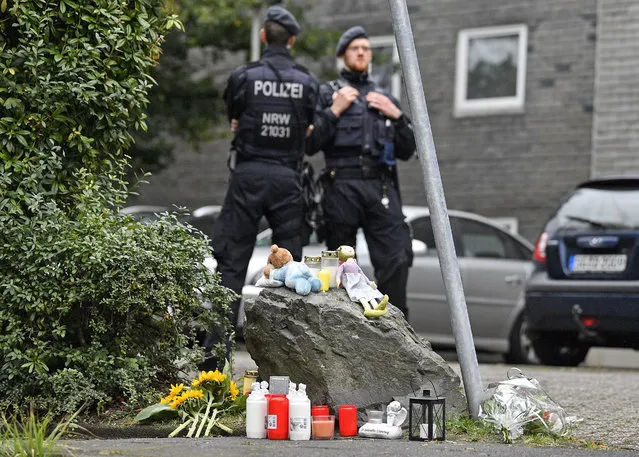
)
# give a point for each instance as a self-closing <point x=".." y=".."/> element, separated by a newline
<point x="419" y="247"/>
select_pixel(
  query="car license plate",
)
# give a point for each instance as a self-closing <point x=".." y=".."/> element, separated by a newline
<point x="597" y="263"/>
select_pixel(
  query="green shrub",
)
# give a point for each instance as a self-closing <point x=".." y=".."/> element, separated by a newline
<point x="93" y="307"/>
<point x="105" y="296"/>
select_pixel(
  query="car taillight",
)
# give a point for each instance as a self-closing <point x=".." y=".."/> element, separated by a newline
<point x="540" y="248"/>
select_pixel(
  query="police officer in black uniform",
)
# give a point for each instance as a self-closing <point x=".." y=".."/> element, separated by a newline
<point x="270" y="104"/>
<point x="362" y="131"/>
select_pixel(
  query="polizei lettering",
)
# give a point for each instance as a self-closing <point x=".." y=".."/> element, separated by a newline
<point x="279" y="89"/>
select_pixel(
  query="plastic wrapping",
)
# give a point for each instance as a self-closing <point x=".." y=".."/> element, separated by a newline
<point x="519" y="405"/>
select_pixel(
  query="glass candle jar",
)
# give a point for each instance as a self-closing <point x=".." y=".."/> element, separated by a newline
<point x="323" y="427"/>
<point x="250" y="376"/>
<point x="330" y="262"/>
<point x="325" y="277"/>
<point x="314" y="263"/>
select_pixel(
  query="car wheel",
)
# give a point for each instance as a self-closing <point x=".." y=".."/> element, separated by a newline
<point x="521" y="350"/>
<point x="558" y="352"/>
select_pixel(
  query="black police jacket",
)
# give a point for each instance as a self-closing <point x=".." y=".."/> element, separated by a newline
<point x="360" y="130"/>
<point x="273" y="100"/>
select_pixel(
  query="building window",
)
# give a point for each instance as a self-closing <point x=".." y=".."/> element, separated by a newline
<point x="491" y="70"/>
<point x="384" y="69"/>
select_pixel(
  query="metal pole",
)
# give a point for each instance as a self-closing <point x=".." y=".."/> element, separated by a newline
<point x="437" y="205"/>
<point x="256" y="24"/>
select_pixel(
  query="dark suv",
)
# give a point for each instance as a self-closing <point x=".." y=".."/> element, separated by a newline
<point x="584" y="290"/>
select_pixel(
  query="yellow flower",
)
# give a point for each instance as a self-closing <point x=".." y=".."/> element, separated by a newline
<point x="175" y="391"/>
<point x="195" y="393"/>
<point x="214" y="376"/>
<point x="179" y="400"/>
<point x="234" y="390"/>
<point x="185" y="396"/>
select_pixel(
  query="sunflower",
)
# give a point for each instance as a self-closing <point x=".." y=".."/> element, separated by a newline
<point x="179" y="400"/>
<point x="234" y="390"/>
<point x="175" y="391"/>
<point x="185" y="396"/>
<point x="214" y="376"/>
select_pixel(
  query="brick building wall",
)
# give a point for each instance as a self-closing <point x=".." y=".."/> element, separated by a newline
<point x="515" y="165"/>
<point x="616" y="122"/>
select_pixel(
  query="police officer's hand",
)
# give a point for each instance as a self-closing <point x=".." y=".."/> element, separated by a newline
<point x="342" y="99"/>
<point x="234" y="124"/>
<point x="384" y="104"/>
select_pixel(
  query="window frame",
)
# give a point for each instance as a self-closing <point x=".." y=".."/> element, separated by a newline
<point x="495" y="105"/>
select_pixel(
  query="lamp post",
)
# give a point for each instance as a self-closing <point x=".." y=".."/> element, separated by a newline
<point x="256" y="14"/>
<point x="256" y="25"/>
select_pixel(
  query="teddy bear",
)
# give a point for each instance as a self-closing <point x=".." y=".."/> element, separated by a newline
<point x="295" y="275"/>
<point x="277" y="258"/>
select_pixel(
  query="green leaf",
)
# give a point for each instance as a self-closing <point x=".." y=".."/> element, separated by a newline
<point x="143" y="22"/>
<point x="154" y="412"/>
<point x="12" y="102"/>
<point x="240" y="402"/>
<point x="22" y="141"/>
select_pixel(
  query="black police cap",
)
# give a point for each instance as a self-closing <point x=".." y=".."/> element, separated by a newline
<point x="351" y="34"/>
<point x="284" y="18"/>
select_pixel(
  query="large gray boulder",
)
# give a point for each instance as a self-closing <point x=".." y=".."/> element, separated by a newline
<point x="324" y="341"/>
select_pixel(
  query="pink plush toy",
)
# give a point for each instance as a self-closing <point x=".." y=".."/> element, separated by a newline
<point x="360" y="289"/>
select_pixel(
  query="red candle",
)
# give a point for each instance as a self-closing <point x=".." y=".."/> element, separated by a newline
<point x="319" y="410"/>
<point x="277" y="419"/>
<point x="323" y="427"/>
<point x="347" y="420"/>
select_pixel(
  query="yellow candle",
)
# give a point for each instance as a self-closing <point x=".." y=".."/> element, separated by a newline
<point x="325" y="277"/>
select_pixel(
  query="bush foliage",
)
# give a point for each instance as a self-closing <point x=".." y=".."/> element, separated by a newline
<point x="93" y="307"/>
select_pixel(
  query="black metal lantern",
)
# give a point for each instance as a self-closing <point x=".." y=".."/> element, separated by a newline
<point x="427" y="418"/>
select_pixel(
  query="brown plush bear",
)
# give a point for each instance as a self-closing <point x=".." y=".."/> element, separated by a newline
<point x="277" y="259"/>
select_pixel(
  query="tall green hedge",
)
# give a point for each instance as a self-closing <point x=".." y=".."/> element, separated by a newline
<point x="94" y="307"/>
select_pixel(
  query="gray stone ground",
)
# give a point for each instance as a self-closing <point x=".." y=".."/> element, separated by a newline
<point x="240" y="447"/>
<point x="607" y="399"/>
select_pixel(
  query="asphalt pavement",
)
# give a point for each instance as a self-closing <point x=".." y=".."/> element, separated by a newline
<point x="604" y="398"/>
<point x="241" y="447"/>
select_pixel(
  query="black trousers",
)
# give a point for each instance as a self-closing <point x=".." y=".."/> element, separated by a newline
<point x="353" y="203"/>
<point x="256" y="190"/>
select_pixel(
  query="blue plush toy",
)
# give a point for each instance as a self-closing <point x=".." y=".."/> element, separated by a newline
<point x="294" y="275"/>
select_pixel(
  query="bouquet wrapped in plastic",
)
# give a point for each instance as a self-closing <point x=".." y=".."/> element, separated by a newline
<point x="519" y="405"/>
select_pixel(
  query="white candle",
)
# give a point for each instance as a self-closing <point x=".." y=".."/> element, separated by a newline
<point x="423" y="431"/>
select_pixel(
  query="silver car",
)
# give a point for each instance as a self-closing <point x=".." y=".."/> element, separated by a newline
<point x="494" y="265"/>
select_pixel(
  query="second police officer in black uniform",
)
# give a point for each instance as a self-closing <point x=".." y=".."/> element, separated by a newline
<point x="270" y="104"/>
<point x="362" y="131"/>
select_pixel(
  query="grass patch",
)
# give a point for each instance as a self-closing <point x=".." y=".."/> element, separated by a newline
<point x="468" y="429"/>
<point x="27" y="435"/>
